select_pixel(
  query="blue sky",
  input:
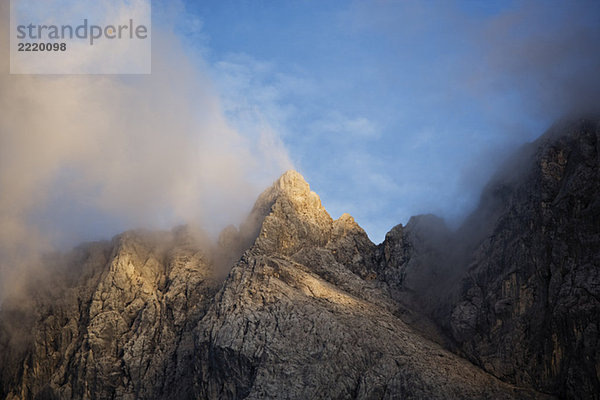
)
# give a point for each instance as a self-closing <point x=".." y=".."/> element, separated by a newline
<point x="391" y="109"/>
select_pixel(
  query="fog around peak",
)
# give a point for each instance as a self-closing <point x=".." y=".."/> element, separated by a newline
<point x="86" y="157"/>
<point x="388" y="109"/>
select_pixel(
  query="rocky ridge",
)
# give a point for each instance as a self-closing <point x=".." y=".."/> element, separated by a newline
<point x="528" y="309"/>
<point x="294" y="304"/>
<point x="517" y="288"/>
<point x="293" y="321"/>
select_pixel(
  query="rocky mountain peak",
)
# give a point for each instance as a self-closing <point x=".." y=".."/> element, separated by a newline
<point x="289" y="215"/>
<point x="291" y="187"/>
<point x="346" y="220"/>
<point x="292" y="181"/>
<point x="346" y="225"/>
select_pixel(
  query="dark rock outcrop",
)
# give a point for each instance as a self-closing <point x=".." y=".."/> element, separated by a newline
<point x="528" y="309"/>
<point x="517" y="287"/>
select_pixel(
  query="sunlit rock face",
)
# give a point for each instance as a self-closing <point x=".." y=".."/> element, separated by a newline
<point x="295" y="217"/>
<point x="115" y="321"/>
<point x="293" y="304"/>
<point x="301" y="316"/>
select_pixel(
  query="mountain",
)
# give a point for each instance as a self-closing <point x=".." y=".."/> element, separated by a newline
<point x="294" y="304"/>
<point x="528" y="309"/>
<point x="516" y="289"/>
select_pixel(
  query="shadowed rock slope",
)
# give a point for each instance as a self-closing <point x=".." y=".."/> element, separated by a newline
<point x="528" y="308"/>
<point x="301" y="314"/>
<point x="517" y="287"/>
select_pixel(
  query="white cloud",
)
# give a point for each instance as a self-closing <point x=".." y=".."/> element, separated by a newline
<point x="337" y="123"/>
<point x="87" y="155"/>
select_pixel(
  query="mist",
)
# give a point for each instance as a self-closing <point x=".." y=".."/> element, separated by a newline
<point x="415" y="124"/>
<point x="86" y="157"/>
<point x="471" y="82"/>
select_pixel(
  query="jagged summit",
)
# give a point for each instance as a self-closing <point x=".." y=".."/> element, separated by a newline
<point x="292" y="180"/>
<point x="286" y="217"/>
<point x="291" y="185"/>
<point x="346" y="219"/>
<point x="290" y="216"/>
<point x="346" y="224"/>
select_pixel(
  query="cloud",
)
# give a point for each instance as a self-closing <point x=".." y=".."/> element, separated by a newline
<point x="259" y="93"/>
<point x="337" y="123"/>
<point x="87" y="156"/>
<point x="478" y="79"/>
<point x="542" y="58"/>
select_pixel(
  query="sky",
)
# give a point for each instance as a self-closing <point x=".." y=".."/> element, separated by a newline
<point x="395" y="108"/>
<point x="389" y="109"/>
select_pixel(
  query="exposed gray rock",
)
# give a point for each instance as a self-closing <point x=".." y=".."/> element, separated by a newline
<point x="310" y="309"/>
<point x="121" y="328"/>
<point x="519" y="283"/>
<point x="529" y="309"/>
<point x="276" y="330"/>
<point x="412" y="257"/>
<point x="300" y="317"/>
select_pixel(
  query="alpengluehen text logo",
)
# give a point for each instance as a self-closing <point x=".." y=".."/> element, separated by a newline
<point x="92" y="33"/>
